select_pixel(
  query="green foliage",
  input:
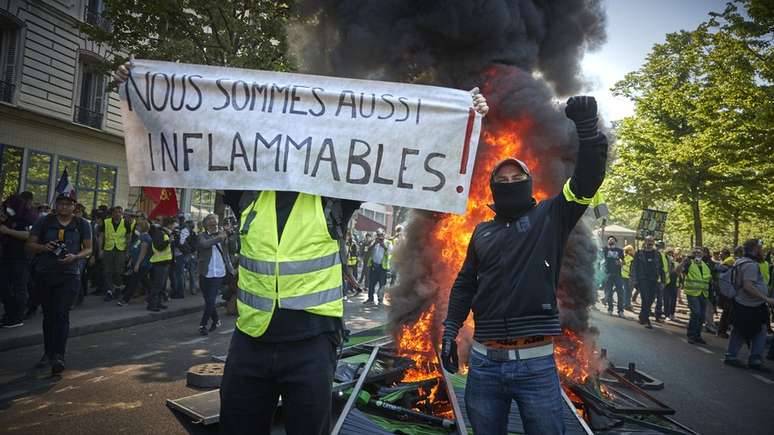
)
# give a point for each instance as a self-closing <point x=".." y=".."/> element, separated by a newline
<point x="701" y="144"/>
<point x="246" y="34"/>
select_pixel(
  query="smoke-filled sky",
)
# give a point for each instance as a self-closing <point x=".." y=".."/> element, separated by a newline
<point x="632" y="29"/>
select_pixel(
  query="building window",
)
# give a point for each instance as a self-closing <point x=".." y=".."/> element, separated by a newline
<point x="9" y="60"/>
<point x="95" y="15"/>
<point x="38" y="176"/>
<point x="95" y="184"/>
<point x="10" y="170"/>
<point x="91" y="101"/>
<point x="202" y="204"/>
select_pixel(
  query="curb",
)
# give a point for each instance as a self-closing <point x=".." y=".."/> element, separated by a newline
<point x="37" y="338"/>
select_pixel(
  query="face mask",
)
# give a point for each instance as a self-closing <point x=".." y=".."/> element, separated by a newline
<point x="513" y="199"/>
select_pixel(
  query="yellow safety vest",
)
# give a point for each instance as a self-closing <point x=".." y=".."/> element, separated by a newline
<point x="764" y="266"/>
<point x="352" y="259"/>
<point x="164" y="255"/>
<point x="301" y="271"/>
<point x="386" y="258"/>
<point x="626" y="267"/>
<point x="115" y="239"/>
<point x="665" y="264"/>
<point x="697" y="279"/>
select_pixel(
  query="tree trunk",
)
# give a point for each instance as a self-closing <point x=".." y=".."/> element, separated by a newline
<point x="696" y="222"/>
<point x="736" y="230"/>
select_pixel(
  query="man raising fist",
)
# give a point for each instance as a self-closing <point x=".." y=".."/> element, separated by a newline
<point x="509" y="281"/>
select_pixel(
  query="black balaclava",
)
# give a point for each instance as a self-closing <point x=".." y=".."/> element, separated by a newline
<point x="511" y="200"/>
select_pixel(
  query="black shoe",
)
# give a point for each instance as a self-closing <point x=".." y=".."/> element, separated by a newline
<point x="368" y="301"/>
<point x="659" y="320"/>
<point x="734" y="362"/>
<point x="215" y="325"/>
<point x="108" y="297"/>
<point x="759" y="367"/>
<point x="621" y="314"/>
<point x="163" y="307"/>
<point x="9" y="324"/>
<point x="202" y="330"/>
<point x="57" y="364"/>
<point x="648" y="326"/>
<point x="700" y="340"/>
<point x="44" y="362"/>
<point x="722" y="334"/>
<point x="121" y="303"/>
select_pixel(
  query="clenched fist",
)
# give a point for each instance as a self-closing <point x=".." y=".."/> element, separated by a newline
<point x="581" y="108"/>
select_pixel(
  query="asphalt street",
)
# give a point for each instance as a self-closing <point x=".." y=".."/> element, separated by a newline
<point x="709" y="396"/>
<point x="118" y="381"/>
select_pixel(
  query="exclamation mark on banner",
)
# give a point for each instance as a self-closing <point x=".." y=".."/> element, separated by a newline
<point x="466" y="145"/>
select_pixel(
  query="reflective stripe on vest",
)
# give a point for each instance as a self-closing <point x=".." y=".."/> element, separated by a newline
<point x="595" y="201"/>
<point x="115" y="238"/>
<point x="300" y="271"/>
<point x="164" y="255"/>
<point x="697" y="279"/>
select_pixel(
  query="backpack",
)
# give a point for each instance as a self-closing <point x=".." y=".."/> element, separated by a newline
<point x="81" y="226"/>
<point x="189" y="246"/>
<point x="729" y="284"/>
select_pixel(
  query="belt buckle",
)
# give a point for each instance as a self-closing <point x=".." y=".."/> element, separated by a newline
<point x="498" y="355"/>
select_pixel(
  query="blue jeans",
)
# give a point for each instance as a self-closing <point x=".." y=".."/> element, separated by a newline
<point x="698" y="306"/>
<point x="209" y="288"/>
<point x="614" y="283"/>
<point x="757" y="345"/>
<point x="178" y="277"/>
<point x="532" y="383"/>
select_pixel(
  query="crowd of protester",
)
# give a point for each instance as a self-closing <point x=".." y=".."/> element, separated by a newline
<point x="736" y="283"/>
<point x="51" y="260"/>
<point x="369" y="260"/>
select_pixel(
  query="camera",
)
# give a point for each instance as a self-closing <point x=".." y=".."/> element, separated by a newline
<point x="60" y="250"/>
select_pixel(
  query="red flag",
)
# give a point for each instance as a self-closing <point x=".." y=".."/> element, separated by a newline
<point x="165" y="199"/>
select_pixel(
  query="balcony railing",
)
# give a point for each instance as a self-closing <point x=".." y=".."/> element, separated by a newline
<point x="88" y="117"/>
<point x="95" y="18"/>
<point x="6" y="91"/>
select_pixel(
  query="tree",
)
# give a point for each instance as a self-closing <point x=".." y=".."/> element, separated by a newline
<point x="247" y="34"/>
<point x="700" y="137"/>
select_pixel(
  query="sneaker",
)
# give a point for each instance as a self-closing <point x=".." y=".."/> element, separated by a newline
<point x="659" y="320"/>
<point x="57" y="364"/>
<point x="202" y="330"/>
<point x="215" y="325"/>
<point x="108" y="296"/>
<point x="368" y="301"/>
<point x="44" y="362"/>
<point x="700" y="340"/>
<point x="672" y="318"/>
<point x="8" y="324"/>
<point x="621" y="315"/>
<point x="733" y="362"/>
<point x="648" y="326"/>
<point x="609" y="312"/>
<point x="759" y="367"/>
<point x="120" y="303"/>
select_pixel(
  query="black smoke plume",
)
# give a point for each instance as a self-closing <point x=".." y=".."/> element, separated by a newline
<point x="525" y="54"/>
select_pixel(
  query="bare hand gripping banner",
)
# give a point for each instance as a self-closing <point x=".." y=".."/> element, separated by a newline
<point x="224" y="128"/>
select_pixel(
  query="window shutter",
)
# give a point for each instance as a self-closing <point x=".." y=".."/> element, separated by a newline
<point x="9" y="75"/>
<point x="99" y="93"/>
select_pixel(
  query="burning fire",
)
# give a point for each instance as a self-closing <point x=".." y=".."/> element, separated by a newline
<point x="574" y="358"/>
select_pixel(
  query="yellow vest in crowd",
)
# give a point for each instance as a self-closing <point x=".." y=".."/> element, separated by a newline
<point x="697" y="279"/>
<point x="302" y="271"/>
<point x="115" y="238"/>
<point x="386" y="258"/>
<point x="163" y="255"/>
<point x="626" y="266"/>
<point x="665" y="264"/>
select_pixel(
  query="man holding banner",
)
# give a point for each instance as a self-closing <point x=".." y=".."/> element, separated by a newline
<point x="314" y="141"/>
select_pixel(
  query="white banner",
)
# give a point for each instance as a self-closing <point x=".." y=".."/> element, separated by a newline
<point x="224" y="128"/>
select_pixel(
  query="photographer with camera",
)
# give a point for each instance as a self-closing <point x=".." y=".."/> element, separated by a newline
<point x="16" y="218"/>
<point x="214" y="264"/>
<point x="62" y="239"/>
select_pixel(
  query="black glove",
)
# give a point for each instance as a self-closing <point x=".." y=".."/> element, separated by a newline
<point x="582" y="110"/>
<point x="449" y="357"/>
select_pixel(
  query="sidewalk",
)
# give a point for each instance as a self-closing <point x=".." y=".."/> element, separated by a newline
<point x="95" y="315"/>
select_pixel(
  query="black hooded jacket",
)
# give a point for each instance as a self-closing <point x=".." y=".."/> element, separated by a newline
<point x="510" y="273"/>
